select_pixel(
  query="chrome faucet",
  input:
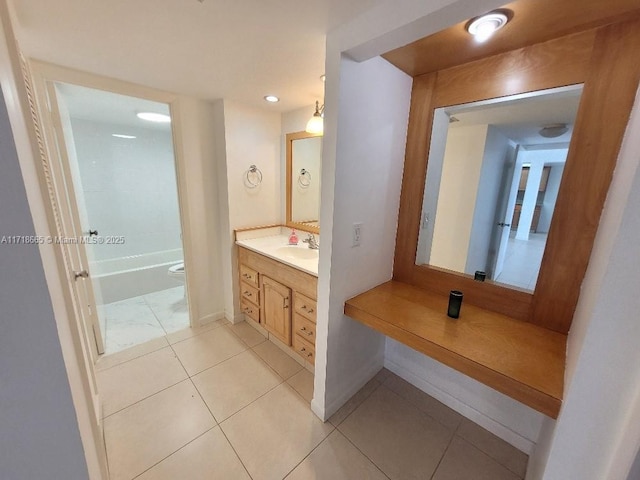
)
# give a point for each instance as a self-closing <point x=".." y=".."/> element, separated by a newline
<point x="311" y="240"/>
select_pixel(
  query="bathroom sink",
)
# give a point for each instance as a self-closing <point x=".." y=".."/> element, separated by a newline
<point x="297" y="253"/>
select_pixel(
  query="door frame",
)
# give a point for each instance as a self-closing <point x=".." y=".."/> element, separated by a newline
<point x="44" y="73"/>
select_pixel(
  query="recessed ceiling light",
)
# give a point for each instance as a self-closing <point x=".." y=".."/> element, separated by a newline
<point x="486" y="25"/>
<point x="122" y="135"/>
<point x="271" y="98"/>
<point x="154" y="117"/>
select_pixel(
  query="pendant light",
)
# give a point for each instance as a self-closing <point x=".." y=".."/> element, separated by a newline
<point x="316" y="123"/>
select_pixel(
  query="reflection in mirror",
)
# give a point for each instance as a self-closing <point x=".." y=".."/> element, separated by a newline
<point x="304" y="154"/>
<point x="493" y="177"/>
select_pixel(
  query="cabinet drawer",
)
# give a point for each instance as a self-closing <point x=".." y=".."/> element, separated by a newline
<point x="249" y="275"/>
<point x="250" y="310"/>
<point x="250" y="293"/>
<point x="304" y="327"/>
<point x="304" y="348"/>
<point x="305" y="306"/>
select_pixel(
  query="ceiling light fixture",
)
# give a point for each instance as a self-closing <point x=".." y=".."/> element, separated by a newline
<point x="553" y="130"/>
<point x="122" y="135"/>
<point x="316" y="123"/>
<point x="271" y="98"/>
<point x="154" y="117"/>
<point x="484" y="26"/>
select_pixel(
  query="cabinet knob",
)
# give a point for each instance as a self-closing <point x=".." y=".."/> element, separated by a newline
<point x="247" y="293"/>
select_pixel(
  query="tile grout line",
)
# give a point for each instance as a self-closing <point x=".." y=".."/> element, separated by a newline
<point x="145" y="398"/>
<point x="132" y="358"/>
<point x="358" y="405"/>
<point x="174" y="452"/>
<point x="364" y="454"/>
<point x="435" y="470"/>
<point x="234" y="451"/>
<point x="309" y="454"/>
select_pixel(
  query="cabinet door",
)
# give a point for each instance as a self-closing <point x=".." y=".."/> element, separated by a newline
<point x="276" y="301"/>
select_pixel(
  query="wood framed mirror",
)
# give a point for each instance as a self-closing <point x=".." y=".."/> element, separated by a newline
<point x="303" y="173"/>
<point x="610" y="83"/>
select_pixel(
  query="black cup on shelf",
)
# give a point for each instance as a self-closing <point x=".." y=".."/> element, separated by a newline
<point x="455" y="302"/>
<point x="480" y="276"/>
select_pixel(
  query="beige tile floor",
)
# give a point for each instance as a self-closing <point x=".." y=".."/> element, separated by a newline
<point x="221" y="402"/>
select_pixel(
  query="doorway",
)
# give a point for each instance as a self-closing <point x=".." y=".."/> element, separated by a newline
<point x="121" y="176"/>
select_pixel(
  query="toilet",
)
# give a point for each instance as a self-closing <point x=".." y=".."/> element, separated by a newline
<point x="177" y="272"/>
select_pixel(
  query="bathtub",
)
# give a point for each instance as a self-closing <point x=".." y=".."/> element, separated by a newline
<point x="125" y="277"/>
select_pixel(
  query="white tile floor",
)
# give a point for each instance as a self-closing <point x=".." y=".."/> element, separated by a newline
<point x="522" y="261"/>
<point x="175" y="410"/>
<point x="139" y="319"/>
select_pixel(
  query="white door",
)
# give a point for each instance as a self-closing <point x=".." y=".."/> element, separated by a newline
<point x="76" y="235"/>
<point x="506" y="206"/>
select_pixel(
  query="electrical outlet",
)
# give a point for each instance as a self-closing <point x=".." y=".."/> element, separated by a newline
<point x="357" y="234"/>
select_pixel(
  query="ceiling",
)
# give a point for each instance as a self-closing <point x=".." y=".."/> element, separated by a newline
<point x="111" y="108"/>
<point x="239" y="50"/>
<point x="521" y="118"/>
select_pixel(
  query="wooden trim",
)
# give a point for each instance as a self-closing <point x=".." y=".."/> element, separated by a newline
<point x="413" y="176"/>
<point x="583" y="190"/>
<point x="521" y="360"/>
<point x="607" y="99"/>
<point x="290" y="137"/>
<point x="532" y="22"/>
<point x="555" y="63"/>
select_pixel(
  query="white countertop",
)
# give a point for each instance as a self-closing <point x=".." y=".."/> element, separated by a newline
<point x="277" y="247"/>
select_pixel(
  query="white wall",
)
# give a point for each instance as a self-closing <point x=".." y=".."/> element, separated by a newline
<point x="39" y="434"/>
<point x="129" y="187"/>
<point x="483" y="227"/>
<point x="550" y="196"/>
<point x="362" y="169"/>
<point x="456" y="200"/>
<point x="245" y="136"/>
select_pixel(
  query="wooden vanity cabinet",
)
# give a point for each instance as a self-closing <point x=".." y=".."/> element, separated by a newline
<point x="250" y="293"/>
<point x="281" y="299"/>
<point x="276" y="299"/>
<point x="304" y="326"/>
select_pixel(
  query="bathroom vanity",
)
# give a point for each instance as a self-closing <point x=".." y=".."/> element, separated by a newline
<point x="277" y="285"/>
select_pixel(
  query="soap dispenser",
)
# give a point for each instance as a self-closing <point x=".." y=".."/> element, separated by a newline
<point x="293" y="238"/>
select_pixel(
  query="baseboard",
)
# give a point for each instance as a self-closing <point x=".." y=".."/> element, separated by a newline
<point x="505" y="433"/>
<point x="212" y="317"/>
<point x="359" y="380"/>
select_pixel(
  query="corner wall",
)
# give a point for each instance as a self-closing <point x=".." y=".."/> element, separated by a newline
<point x="244" y="136"/>
<point x="363" y="156"/>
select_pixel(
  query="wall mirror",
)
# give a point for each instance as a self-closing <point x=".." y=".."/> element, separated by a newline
<point x="493" y="177"/>
<point x="303" y="172"/>
<point x="605" y="105"/>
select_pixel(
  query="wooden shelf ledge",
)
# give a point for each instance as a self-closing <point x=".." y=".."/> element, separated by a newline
<point x="521" y="360"/>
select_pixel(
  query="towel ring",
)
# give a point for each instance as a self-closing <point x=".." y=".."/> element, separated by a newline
<point x="253" y="177"/>
<point x="304" y="179"/>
